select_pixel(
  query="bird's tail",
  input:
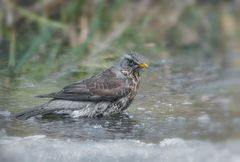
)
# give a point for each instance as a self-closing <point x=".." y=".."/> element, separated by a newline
<point x="38" y="110"/>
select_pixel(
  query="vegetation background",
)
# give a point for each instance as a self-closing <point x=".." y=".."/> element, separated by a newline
<point x="60" y="38"/>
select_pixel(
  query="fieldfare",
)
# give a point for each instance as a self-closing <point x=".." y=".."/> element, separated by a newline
<point x="107" y="93"/>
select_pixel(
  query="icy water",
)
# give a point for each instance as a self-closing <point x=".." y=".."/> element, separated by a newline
<point x="187" y="110"/>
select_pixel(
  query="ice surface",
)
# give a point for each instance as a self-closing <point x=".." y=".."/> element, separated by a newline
<point x="40" y="148"/>
<point x="4" y="114"/>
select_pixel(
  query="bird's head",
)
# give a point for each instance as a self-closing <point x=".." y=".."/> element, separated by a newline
<point x="132" y="62"/>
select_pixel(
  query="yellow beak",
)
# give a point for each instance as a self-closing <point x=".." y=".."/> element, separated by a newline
<point x="143" y="65"/>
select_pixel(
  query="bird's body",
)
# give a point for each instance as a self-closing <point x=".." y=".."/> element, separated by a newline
<point x="107" y="93"/>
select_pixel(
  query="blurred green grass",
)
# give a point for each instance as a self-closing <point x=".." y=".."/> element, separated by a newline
<point x="43" y="38"/>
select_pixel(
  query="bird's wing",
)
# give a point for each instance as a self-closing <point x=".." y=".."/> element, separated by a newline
<point x="105" y="86"/>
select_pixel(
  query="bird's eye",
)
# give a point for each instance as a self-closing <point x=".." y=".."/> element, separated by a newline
<point x="131" y="63"/>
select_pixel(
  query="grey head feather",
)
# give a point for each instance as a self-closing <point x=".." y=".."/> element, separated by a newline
<point x="129" y="62"/>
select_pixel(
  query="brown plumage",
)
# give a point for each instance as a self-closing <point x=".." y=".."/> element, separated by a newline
<point x="107" y="93"/>
<point x="105" y="86"/>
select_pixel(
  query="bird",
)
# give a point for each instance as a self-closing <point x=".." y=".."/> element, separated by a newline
<point x="107" y="93"/>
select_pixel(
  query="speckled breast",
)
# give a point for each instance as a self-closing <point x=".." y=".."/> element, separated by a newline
<point x="134" y="84"/>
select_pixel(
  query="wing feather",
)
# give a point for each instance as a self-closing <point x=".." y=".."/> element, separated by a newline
<point x="105" y="86"/>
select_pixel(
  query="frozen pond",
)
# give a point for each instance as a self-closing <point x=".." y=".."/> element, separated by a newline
<point x="40" y="148"/>
<point x="187" y="110"/>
